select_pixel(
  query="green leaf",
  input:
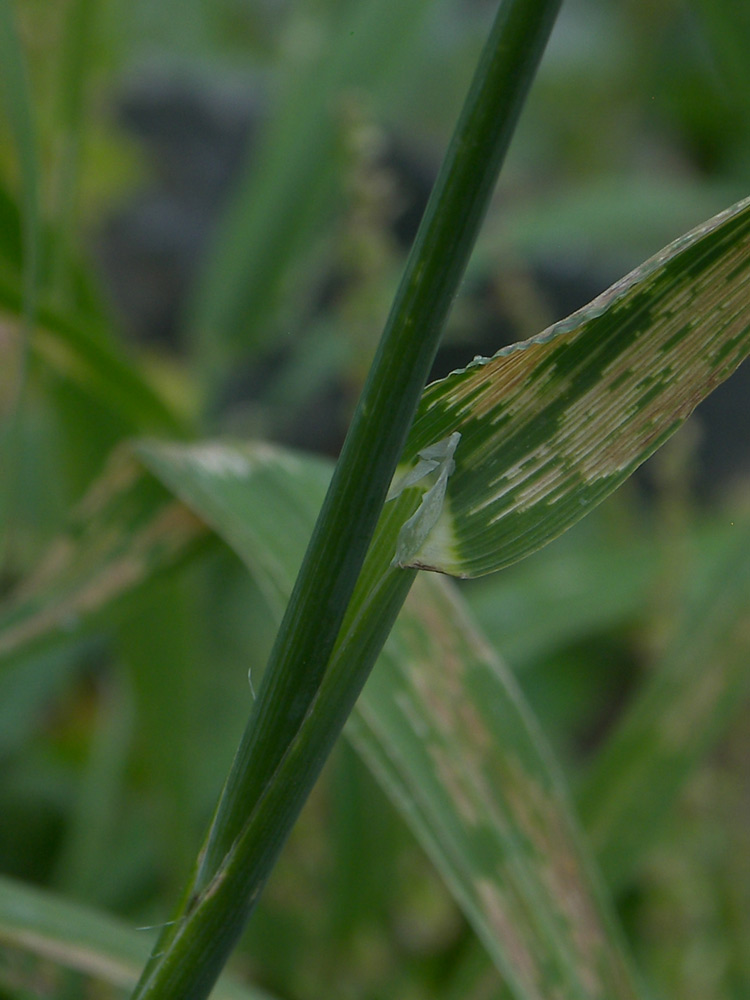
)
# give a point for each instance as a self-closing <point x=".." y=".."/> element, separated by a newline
<point x="15" y="91"/>
<point x="292" y="726"/>
<point x="275" y="215"/>
<point x="726" y="27"/>
<point x="441" y="723"/>
<point x="16" y="98"/>
<point x="691" y="694"/>
<point x="444" y="729"/>
<point x="126" y="529"/>
<point x="86" y="940"/>
<point x="551" y="426"/>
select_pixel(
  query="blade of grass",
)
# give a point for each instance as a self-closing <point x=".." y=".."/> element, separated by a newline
<point x="289" y="184"/>
<point x="727" y="28"/>
<point x="86" y="940"/>
<point x="193" y="950"/>
<point x="441" y="724"/>
<point x="411" y="722"/>
<point x="686" y="704"/>
<point x="76" y="64"/>
<point x="126" y="529"/>
<point x="82" y="864"/>
<point x="79" y="350"/>
<point x="14" y="89"/>
<point x="551" y="426"/>
<point x="162" y="626"/>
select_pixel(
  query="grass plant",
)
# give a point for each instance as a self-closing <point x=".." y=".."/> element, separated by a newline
<point x="136" y="603"/>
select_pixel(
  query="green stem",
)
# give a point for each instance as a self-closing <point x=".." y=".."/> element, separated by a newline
<point x="188" y="955"/>
<point x="386" y="409"/>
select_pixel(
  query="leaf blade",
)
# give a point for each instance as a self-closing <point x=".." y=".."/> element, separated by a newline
<point x="530" y="895"/>
<point x="81" y="938"/>
<point x="553" y="425"/>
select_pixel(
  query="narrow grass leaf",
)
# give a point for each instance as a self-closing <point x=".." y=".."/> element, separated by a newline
<point x="443" y="727"/>
<point x="288" y="186"/>
<point x="15" y="100"/>
<point x="726" y="27"/>
<point x="16" y="97"/>
<point x="77" y="62"/>
<point x="686" y="704"/>
<point x="77" y="349"/>
<point x="83" y="939"/>
<point x="551" y="426"/>
<point x="124" y="531"/>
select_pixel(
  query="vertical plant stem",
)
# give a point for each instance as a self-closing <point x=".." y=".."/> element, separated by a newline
<point x="352" y="506"/>
<point x="386" y="408"/>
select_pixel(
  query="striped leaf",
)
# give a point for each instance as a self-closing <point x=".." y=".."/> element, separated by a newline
<point x="125" y="530"/>
<point x="551" y="426"/>
<point x="442" y="726"/>
<point x="441" y="723"/>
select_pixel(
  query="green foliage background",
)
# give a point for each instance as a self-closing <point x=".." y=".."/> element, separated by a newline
<point x="115" y="736"/>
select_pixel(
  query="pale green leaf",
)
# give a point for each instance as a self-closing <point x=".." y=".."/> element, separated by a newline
<point x="125" y="530"/>
<point x="551" y="426"/>
<point x="692" y="692"/>
<point x="85" y="940"/>
<point x="444" y="729"/>
<point x="276" y="211"/>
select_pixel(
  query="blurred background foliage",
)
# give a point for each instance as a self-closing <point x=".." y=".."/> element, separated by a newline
<point x="228" y="191"/>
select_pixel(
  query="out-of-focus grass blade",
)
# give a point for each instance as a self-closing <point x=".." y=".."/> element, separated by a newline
<point x="288" y="187"/>
<point x="679" y="714"/>
<point x="727" y="27"/>
<point x="124" y="531"/>
<point x="15" y="100"/>
<point x="78" y="351"/>
<point x="552" y="426"/>
<point x="29" y="686"/>
<point x="85" y="856"/>
<point x="76" y="65"/>
<point x="11" y="239"/>
<point x="587" y="583"/>
<point x="14" y="91"/>
<point x="83" y="939"/>
<point x="444" y="729"/>
<point x="162" y="626"/>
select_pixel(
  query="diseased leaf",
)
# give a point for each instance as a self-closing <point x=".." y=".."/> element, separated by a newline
<point x="442" y="726"/>
<point x="551" y="426"/>
<point x="124" y="531"/>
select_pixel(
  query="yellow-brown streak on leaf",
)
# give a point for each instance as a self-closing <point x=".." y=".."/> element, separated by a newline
<point x="448" y="646"/>
<point x="442" y="691"/>
<point x="61" y="355"/>
<point x="51" y="568"/>
<point x="450" y="776"/>
<point x="73" y="956"/>
<point x="684" y="717"/>
<point x="501" y="920"/>
<point x="120" y="474"/>
<point x="543" y="820"/>
<point x="171" y="530"/>
<point x="411" y="713"/>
